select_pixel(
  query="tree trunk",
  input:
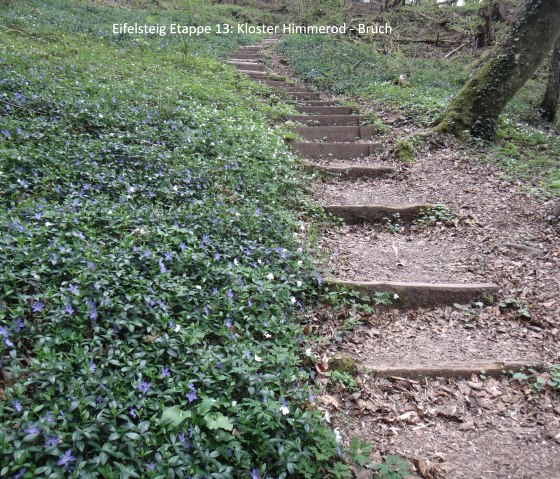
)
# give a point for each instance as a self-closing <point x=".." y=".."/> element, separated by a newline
<point x="549" y="105"/>
<point x="485" y="34"/>
<point x="476" y="108"/>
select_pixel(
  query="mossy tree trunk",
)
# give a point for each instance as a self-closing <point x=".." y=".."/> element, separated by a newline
<point x="549" y="105"/>
<point x="476" y="108"/>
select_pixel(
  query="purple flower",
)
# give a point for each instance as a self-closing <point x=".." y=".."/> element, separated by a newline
<point x="162" y="267"/>
<point x="66" y="459"/>
<point x="230" y="293"/>
<point x="255" y="474"/>
<point x="191" y="396"/>
<point x="168" y="256"/>
<point x="32" y="430"/>
<point x="217" y="257"/>
<point x="92" y="310"/>
<point x="73" y="288"/>
<point x="92" y="366"/>
<point x="219" y="365"/>
<point x="132" y="412"/>
<point x="18" y="325"/>
<point x="51" y="441"/>
<point x="6" y="133"/>
<point x="17" y="406"/>
<point x="69" y="309"/>
<point x="165" y="372"/>
<point x="4" y="331"/>
<point x="183" y="246"/>
<point x="20" y="473"/>
<point x="144" y="387"/>
<point x="37" y="307"/>
<point x="150" y="466"/>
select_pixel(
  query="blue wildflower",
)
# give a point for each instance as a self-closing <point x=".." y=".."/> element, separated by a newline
<point x="32" y="430"/>
<point x="69" y="309"/>
<point x="162" y="267"/>
<point x="144" y="387"/>
<point x="51" y="441"/>
<point x="230" y="293"/>
<point x="92" y="366"/>
<point x="150" y="467"/>
<point x="37" y="307"/>
<point x="65" y="459"/>
<point x="183" y="246"/>
<point x="192" y="395"/>
<point x="17" y="406"/>
<point x="6" y="133"/>
<point x="132" y="412"/>
<point x="73" y="288"/>
<point x="255" y="474"/>
<point x="165" y="372"/>
<point x="20" y="473"/>
<point x="168" y="256"/>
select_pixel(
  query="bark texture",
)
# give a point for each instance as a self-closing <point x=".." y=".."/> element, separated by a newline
<point x="476" y="108"/>
<point x="549" y="105"/>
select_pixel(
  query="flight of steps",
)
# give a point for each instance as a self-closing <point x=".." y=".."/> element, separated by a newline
<point x="333" y="132"/>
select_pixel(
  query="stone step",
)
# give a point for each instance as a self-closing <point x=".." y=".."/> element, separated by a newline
<point x="339" y="151"/>
<point x="245" y="56"/>
<point x="304" y="95"/>
<point x="321" y="103"/>
<point x="462" y="369"/>
<point x="254" y="74"/>
<point x="248" y="66"/>
<point x="328" y="120"/>
<point x="336" y="133"/>
<point x="325" y="110"/>
<point x="358" y="214"/>
<point x="352" y="172"/>
<point x="236" y="59"/>
<point x="422" y="295"/>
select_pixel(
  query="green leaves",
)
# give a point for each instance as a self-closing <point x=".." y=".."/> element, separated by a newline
<point x="217" y="420"/>
<point x="174" y="416"/>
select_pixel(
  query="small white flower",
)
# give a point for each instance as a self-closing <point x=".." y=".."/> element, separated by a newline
<point x="300" y="262"/>
<point x="267" y="335"/>
<point x="175" y="188"/>
<point x="260" y="261"/>
<point x="302" y="227"/>
<point x="337" y="435"/>
<point x="300" y="250"/>
<point x="233" y="403"/>
<point x="298" y="284"/>
<point x="258" y="359"/>
<point x="308" y="352"/>
<point x="270" y="276"/>
<point x="177" y="328"/>
<point x="48" y="223"/>
<point x="109" y="212"/>
<point x="293" y="300"/>
<point x="131" y="189"/>
<point x="327" y="416"/>
<point x="395" y="296"/>
<point x="284" y="410"/>
<point x="198" y="286"/>
<point x="235" y="261"/>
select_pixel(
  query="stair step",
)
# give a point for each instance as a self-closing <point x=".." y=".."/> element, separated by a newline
<point x="422" y="295"/>
<point x="235" y="59"/>
<point x="304" y="95"/>
<point x="277" y="83"/>
<point x="254" y="74"/>
<point x="452" y="369"/>
<point x="248" y="66"/>
<point x="322" y="103"/>
<point x="358" y="214"/>
<point x="339" y="151"/>
<point x="325" y="110"/>
<point x="328" y="120"/>
<point x="245" y="56"/>
<point x="351" y="172"/>
<point x="337" y="133"/>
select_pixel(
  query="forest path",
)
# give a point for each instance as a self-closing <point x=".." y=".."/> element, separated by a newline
<point x="433" y="381"/>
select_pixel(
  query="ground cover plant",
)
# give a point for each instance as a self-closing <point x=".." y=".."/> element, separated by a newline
<point x="151" y="275"/>
<point x="527" y="147"/>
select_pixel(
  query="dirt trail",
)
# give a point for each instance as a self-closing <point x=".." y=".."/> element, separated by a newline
<point x="441" y="413"/>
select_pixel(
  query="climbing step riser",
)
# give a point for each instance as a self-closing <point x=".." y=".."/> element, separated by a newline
<point x="304" y="96"/>
<point x="328" y="120"/>
<point x="423" y="295"/>
<point x="248" y="66"/>
<point x="234" y="59"/>
<point x="360" y="214"/>
<point x="322" y="103"/>
<point x="351" y="172"/>
<point x="337" y="133"/>
<point x="453" y="370"/>
<point x="325" y="110"/>
<point x="338" y="151"/>
<point x="245" y="56"/>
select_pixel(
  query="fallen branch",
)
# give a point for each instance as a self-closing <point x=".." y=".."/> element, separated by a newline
<point x="455" y="50"/>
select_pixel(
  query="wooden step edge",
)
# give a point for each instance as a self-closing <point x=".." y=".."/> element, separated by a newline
<point x="420" y="295"/>
<point x="452" y="369"/>
<point x="357" y="214"/>
<point x="350" y="172"/>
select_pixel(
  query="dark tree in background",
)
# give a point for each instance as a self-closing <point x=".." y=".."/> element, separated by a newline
<point x="476" y="108"/>
<point x="549" y="105"/>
